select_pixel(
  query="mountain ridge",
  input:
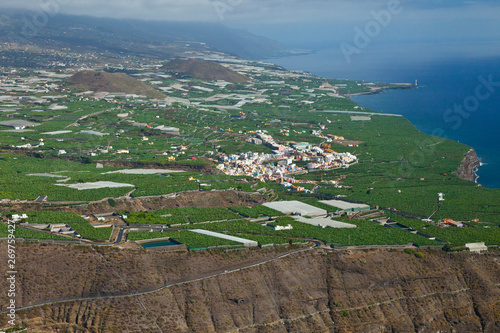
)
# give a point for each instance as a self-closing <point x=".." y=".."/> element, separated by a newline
<point x="143" y="38"/>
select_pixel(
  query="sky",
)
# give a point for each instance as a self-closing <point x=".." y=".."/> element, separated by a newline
<point x="262" y="11"/>
<point x="312" y="24"/>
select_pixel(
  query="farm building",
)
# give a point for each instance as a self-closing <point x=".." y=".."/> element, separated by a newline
<point x="245" y="242"/>
<point x="452" y="223"/>
<point x="456" y="224"/>
<point x="280" y="227"/>
<point x="296" y="207"/>
<point x="169" y="130"/>
<point x="17" y="217"/>
<point x="345" y="206"/>
<point x="476" y="247"/>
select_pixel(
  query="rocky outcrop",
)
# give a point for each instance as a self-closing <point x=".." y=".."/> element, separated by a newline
<point x="469" y="165"/>
<point x="314" y="291"/>
<point x="112" y="82"/>
<point x="204" y="70"/>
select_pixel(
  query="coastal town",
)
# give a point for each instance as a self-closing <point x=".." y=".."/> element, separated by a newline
<point x="284" y="168"/>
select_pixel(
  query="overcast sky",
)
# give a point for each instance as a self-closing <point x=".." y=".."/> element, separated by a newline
<point x="263" y="11"/>
<point x="308" y="23"/>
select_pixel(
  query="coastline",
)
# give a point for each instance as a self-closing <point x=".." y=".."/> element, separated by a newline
<point x="287" y="53"/>
<point x="379" y="90"/>
<point x="469" y="167"/>
<point x="323" y="68"/>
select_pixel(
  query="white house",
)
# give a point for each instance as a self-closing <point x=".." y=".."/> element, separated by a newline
<point x="17" y="217"/>
<point x="281" y="227"/>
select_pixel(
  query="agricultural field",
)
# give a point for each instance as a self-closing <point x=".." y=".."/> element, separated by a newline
<point x="233" y="227"/>
<point x="27" y="178"/>
<point x="398" y="166"/>
<point x="190" y="239"/>
<point x="144" y="218"/>
<point x="30" y="234"/>
<point x="366" y="233"/>
<point x="271" y="240"/>
<point x="256" y="211"/>
<point x="196" y="215"/>
<point x="21" y="179"/>
<point x="224" y="227"/>
<point x="79" y="224"/>
<point x="87" y="231"/>
<point x="172" y="216"/>
<point x="490" y="235"/>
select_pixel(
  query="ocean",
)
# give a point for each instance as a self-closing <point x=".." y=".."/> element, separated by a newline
<point x="457" y="97"/>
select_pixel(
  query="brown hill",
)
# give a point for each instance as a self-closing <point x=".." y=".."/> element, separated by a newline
<point x="204" y="70"/>
<point x="112" y="82"/>
<point x="314" y="291"/>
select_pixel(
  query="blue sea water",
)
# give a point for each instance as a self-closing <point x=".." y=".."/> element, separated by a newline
<point x="448" y="101"/>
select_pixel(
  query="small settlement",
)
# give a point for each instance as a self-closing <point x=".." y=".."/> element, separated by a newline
<point x="279" y="166"/>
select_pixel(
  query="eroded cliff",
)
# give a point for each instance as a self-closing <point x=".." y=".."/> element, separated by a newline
<point x="311" y="291"/>
<point x="470" y="163"/>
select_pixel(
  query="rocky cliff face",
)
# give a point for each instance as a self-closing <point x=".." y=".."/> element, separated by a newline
<point x="468" y="166"/>
<point x="312" y="291"/>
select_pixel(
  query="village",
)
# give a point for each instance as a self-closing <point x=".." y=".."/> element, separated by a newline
<point x="280" y="166"/>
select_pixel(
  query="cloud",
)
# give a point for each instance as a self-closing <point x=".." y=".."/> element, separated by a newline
<point x="260" y="11"/>
<point x="168" y="10"/>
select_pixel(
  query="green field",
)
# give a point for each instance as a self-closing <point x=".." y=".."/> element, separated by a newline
<point x="456" y="236"/>
<point x="399" y="167"/>
<point x="21" y="180"/>
<point x="29" y="234"/>
<point x="190" y="239"/>
<point x="194" y="240"/>
<point x="256" y="211"/>
<point x="366" y="233"/>
<point x="79" y="224"/>
<point x="196" y="215"/>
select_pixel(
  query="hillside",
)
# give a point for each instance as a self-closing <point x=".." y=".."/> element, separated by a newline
<point x="146" y="39"/>
<point x="204" y="70"/>
<point x="378" y="290"/>
<point x="111" y="82"/>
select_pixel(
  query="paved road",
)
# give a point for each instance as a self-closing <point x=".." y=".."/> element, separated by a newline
<point x="218" y="272"/>
<point x="120" y="236"/>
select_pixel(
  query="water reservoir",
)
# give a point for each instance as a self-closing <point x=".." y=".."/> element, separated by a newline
<point x="160" y="243"/>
